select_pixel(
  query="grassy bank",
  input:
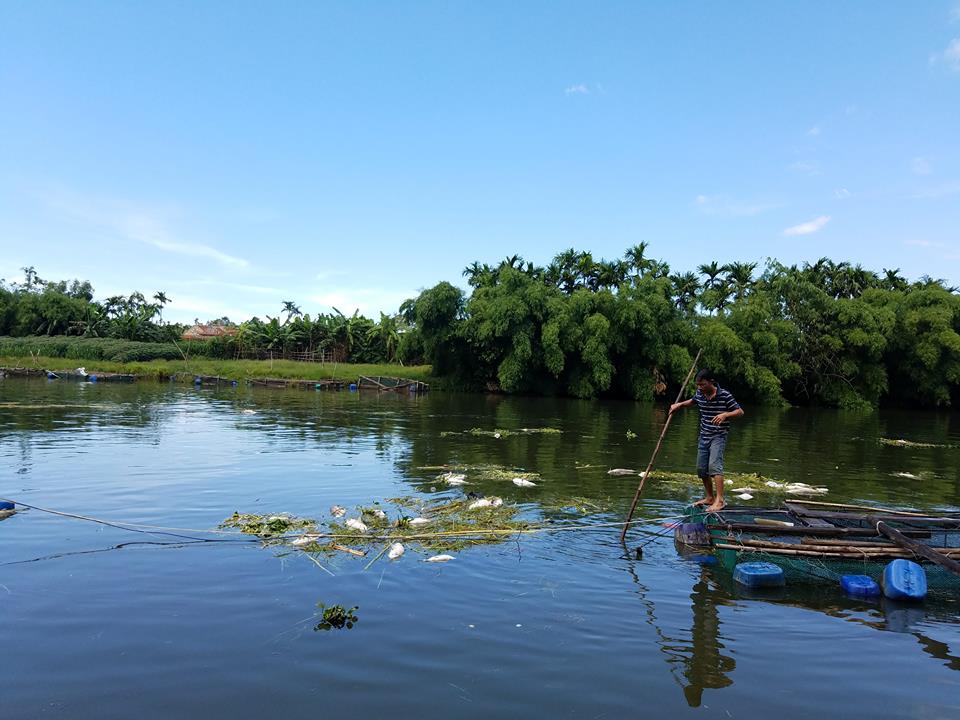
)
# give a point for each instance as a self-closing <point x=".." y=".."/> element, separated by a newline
<point x="230" y="369"/>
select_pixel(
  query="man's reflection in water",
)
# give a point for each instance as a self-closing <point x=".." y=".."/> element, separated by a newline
<point x="696" y="661"/>
<point x="705" y="666"/>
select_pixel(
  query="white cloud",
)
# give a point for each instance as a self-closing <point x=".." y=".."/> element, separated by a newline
<point x="724" y="206"/>
<point x="923" y="243"/>
<point x="921" y="166"/>
<point x="841" y="193"/>
<point x="805" y="167"/>
<point x="135" y="223"/>
<point x="814" y="131"/>
<point x="578" y="89"/>
<point x="938" y="191"/>
<point x="807" y="228"/>
<point x="950" y="56"/>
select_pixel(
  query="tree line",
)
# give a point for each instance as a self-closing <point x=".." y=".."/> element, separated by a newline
<point x="826" y="332"/>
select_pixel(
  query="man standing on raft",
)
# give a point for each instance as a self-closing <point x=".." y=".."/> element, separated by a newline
<point x="717" y="408"/>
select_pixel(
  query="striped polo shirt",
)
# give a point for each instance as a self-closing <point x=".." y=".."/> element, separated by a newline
<point x="721" y="402"/>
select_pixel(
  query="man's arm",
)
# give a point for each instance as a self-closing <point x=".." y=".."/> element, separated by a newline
<point x="682" y="404"/>
<point x="723" y="417"/>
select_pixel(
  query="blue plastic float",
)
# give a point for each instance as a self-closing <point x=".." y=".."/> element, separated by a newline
<point x="904" y="580"/>
<point x="353" y="387"/>
<point x="4" y="505"/>
<point x="759" y="575"/>
<point x="92" y="378"/>
<point x="859" y="586"/>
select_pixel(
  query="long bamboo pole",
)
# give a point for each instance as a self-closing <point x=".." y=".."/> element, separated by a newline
<point x="922" y="550"/>
<point x="656" y="450"/>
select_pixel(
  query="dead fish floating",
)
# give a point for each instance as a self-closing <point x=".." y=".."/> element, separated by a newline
<point x="453" y="478"/>
<point x="440" y="558"/>
<point x="419" y="521"/>
<point x="521" y="482"/>
<point x="357" y="525"/>
<point x="745" y="496"/>
<point x="621" y="471"/>
<point x="305" y="540"/>
<point x="395" y="551"/>
<point x="484" y="503"/>
<point x="338" y="511"/>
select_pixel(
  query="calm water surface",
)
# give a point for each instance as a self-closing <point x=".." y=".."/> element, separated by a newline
<point x="562" y="624"/>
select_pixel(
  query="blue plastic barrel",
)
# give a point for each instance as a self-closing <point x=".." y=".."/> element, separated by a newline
<point x="759" y="575"/>
<point x="92" y="378"/>
<point x="318" y="386"/>
<point x="51" y="376"/>
<point x="904" y="580"/>
<point x="4" y="505"/>
<point x="353" y="387"/>
<point x="197" y="381"/>
<point x="859" y="586"/>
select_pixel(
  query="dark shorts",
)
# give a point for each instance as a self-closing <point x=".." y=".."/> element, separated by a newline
<point x="710" y="454"/>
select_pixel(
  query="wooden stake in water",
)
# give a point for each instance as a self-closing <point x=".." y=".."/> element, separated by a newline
<point x="646" y="474"/>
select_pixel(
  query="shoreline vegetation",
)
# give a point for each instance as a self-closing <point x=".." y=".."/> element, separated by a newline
<point x="820" y="333"/>
<point x="228" y="370"/>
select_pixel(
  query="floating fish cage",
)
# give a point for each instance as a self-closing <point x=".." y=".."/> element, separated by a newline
<point x="820" y="543"/>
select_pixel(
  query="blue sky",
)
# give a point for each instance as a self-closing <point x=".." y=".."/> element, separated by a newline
<point x="239" y="154"/>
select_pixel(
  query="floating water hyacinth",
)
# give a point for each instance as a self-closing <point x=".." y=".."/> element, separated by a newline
<point x="439" y="558"/>
<point x="338" y="511"/>
<point x="395" y="551"/>
<point x="357" y="525"/>
<point x="521" y="482"/>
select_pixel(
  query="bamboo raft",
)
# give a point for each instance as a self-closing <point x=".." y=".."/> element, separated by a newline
<point x="382" y="383"/>
<point x="822" y="541"/>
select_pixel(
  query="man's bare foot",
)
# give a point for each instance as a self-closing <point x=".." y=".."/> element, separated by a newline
<point x="716" y="506"/>
<point x="705" y="501"/>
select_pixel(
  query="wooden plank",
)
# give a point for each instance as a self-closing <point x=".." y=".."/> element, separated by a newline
<point x="919" y="548"/>
<point x="885" y="511"/>
<point x="864" y="517"/>
<point x="819" y="532"/>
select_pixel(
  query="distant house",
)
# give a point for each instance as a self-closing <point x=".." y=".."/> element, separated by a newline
<point x="208" y="332"/>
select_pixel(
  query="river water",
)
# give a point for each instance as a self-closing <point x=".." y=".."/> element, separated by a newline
<point x="555" y="624"/>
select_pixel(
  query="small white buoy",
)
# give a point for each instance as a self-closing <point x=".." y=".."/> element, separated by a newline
<point x="396" y="550"/>
<point x="419" y="521"/>
<point x="356" y="525"/>
<point x="338" y="511"/>
<point x="439" y="558"/>
<point x="521" y="482"/>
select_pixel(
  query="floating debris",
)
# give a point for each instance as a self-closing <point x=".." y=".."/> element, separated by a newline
<point x="909" y="443"/>
<point x="395" y="551"/>
<point x="451" y="478"/>
<point x="502" y="432"/>
<point x="338" y="511"/>
<point x="267" y="526"/>
<point x="523" y="482"/>
<point x="337" y="617"/>
<point x="631" y="435"/>
<point x="357" y="525"/>
<point x="439" y="558"/>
